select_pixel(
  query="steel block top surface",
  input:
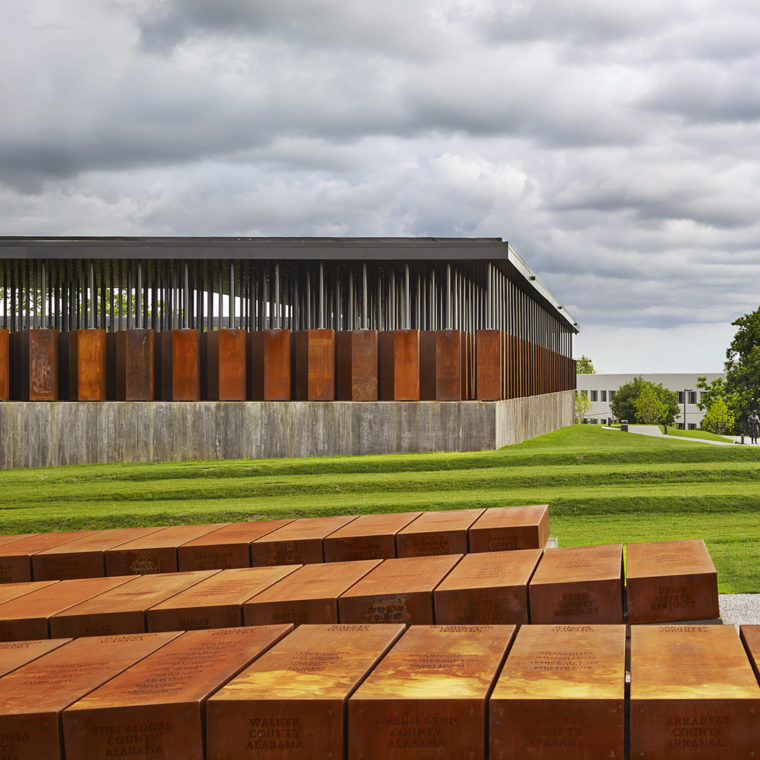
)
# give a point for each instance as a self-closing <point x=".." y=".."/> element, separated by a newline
<point x="578" y="564"/>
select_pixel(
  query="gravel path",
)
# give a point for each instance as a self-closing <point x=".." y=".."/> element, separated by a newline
<point x="740" y="609"/>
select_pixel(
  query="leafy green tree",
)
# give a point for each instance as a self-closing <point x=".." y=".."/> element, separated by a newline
<point x="742" y="387"/>
<point x="649" y="408"/>
<point x="623" y="404"/>
<point x="584" y="366"/>
<point x="582" y="405"/>
<point x="719" y="418"/>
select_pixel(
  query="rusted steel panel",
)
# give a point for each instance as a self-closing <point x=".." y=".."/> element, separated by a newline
<point x="130" y="365"/>
<point x="314" y="365"/>
<point x="489" y="365"/>
<point x="400" y="365"/>
<point x="35" y="365"/>
<point x="356" y="365"/>
<point x="224" y="363"/>
<point x="180" y="365"/>
<point x="269" y="373"/>
<point x="5" y="366"/>
<point x="83" y="365"/>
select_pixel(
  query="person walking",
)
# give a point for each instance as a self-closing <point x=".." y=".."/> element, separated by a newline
<point x="753" y="425"/>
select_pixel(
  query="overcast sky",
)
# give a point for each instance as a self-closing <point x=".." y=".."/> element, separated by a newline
<point x="615" y="145"/>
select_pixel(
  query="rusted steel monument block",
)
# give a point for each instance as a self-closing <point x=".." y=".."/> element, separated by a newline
<point x="156" y="707"/>
<point x="505" y="528"/>
<point x="442" y="532"/>
<point x="367" y="537"/>
<point x="314" y="365"/>
<point x="224" y="365"/>
<point x="427" y="697"/>
<point x="669" y="581"/>
<point x="693" y="694"/>
<point x="83" y="365"/>
<point x="489" y="365"/>
<point x="356" y="358"/>
<point x="561" y="694"/>
<point x="400" y="365"/>
<point x="34" y="361"/>
<point x="308" y="595"/>
<point x="290" y="703"/>
<point x="34" y="696"/>
<point x="397" y="591"/>
<point x="14" y="654"/>
<point x="443" y="365"/>
<point x="489" y="588"/>
<point x="131" y="365"/>
<point x="179" y="365"/>
<point x="16" y="556"/>
<point x="269" y="365"/>
<point x="5" y="365"/>
<point x="580" y="584"/>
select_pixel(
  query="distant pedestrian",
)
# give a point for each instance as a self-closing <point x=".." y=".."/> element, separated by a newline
<point x="753" y="425"/>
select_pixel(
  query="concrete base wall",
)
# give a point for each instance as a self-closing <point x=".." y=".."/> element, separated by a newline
<point x="38" y="434"/>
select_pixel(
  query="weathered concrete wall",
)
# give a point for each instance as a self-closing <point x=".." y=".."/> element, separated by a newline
<point x="35" y="434"/>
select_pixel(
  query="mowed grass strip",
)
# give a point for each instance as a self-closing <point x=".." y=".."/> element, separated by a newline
<point x="602" y="487"/>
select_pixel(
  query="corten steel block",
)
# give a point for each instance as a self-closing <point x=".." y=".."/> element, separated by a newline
<point x="367" y="537"/>
<point x="26" y="617"/>
<point x="34" y="358"/>
<point x="225" y="363"/>
<point x="487" y="588"/>
<point x="84" y="557"/>
<point x="179" y="359"/>
<point x="436" y="533"/>
<point x="269" y="370"/>
<point x="670" y="580"/>
<point x="225" y="548"/>
<point x="122" y="610"/>
<point x="489" y="353"/>
<point x="298" y="542"/>
<point x="5" y="365"/>
<point x="443" y="365"/>
<point x="216" y="602"/>
<point x="10" y="538"/>
<point x="156" y="552"/>
<point x="397" y="591"/>
<point x="504" y="528"/>
<point x="34" y="696"/>
<point x="290" y="703"/>
<point x="400" y="365"/>
<point x="14" y="654"/>
<point x="580" y="584"/>
<point x="10" y="591"/>
<point x="309" y="595"/>
<point x="314" y="365"/>
<point x="156" y="707"/>
<point x="426" y="699"/>
<point x="693" y="694"/>
<point x="561" y="694"/>
<point x="83" y="365"/>
<point x="16" y="556"/>
<point x="356" y="365"/>
<point x="131" y="365"/>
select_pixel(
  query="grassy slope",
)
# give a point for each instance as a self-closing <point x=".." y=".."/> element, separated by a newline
<point x="602" y="486"/>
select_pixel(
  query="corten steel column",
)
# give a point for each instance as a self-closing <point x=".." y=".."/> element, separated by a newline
<point x="224" y="365"/>
<point x="5" y="366"/>
<point x="179" y="365"/>
<point x="400" y="365"/>
<point x="442" y="365"/>
<point x="83" y="365"/>
<point x="34" y="359"/>
<point x="130" y="362"/>
<point x="489" y="365"/>
<point x="314" y="364"/>
<point x="269" y="374"/>
<point x="356" y="365"/>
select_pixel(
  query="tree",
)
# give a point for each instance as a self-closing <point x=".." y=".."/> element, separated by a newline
<point x="742" y="386"/>
<point x="582" y="405"/>
<point x="649" y="408"/>
<point x="719" y="418"/>
<point x="584" y="366"/>
<point x="623" y="404"/>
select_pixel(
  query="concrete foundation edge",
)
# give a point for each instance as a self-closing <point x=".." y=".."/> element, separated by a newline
<point x="39" y="434"/>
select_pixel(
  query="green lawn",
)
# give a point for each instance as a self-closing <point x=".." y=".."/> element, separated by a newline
<point x="705" y="435"/>
<point x="602" y="486"/>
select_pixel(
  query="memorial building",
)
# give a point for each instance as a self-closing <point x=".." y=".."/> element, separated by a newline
<point x="222" y="345"/>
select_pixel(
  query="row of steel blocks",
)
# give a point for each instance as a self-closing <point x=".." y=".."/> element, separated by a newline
<point x="276" y="365"/>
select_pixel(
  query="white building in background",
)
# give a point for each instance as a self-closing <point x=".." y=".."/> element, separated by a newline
<point x="601" y="388"/>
